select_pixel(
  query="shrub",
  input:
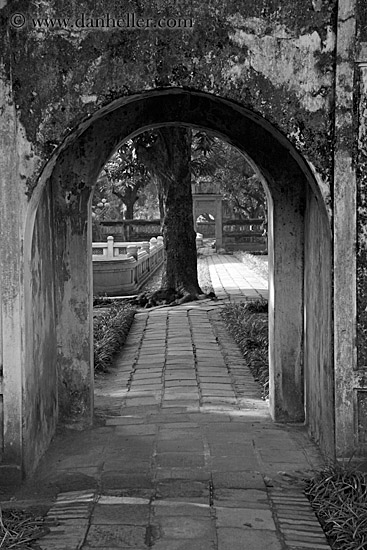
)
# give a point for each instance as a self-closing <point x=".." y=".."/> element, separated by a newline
<point x="338" y="495"/>
<point x="110" y="330"/>
<point x="256" y="306"/>
<point x="248" y="324"/>
<point x="21" y="529"/>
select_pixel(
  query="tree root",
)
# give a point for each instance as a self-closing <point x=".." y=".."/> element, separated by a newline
<point x="169" y="297"/>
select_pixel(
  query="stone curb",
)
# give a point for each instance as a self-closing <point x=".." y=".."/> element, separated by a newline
<point x="297" y="521"/>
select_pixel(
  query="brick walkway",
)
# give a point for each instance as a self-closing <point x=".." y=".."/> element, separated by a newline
<point x="185" y="455"/>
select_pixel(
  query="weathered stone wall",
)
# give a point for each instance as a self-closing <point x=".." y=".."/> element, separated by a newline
<point x="40" y="373"/>
<point x="355" y="390"/>
<point x="73" y="282"/>
<point x="13" y="204"/>
<point x="361" y="196"/>
<point x="318" y="357"/>
<point x="286" y="224"/>
<point x="274" y="58"/>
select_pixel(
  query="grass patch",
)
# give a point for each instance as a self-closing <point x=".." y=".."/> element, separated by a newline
<point x="21" y="529"/>
<point x="110" y="329"/>
<point x="257" y="262"/>
<point x="248" y="324"/>
<point x="338" y="495"/>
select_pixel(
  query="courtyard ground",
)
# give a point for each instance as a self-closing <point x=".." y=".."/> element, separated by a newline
<point x="183" y="454"/>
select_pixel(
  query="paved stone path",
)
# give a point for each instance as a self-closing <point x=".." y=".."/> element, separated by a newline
<point x="185" y="455"/>
<point x="234" y="281"/>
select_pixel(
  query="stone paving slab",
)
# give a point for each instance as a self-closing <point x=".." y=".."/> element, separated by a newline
<point x="120" y="536"/>
<point x="230" y="538"/>
<point x="120" y="514"/>
<point x="245" y="518"/>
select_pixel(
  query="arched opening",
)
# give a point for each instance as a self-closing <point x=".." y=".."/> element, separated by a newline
<point x="58" y="267"/>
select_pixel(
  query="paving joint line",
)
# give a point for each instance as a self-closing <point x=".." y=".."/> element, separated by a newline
<point x="136" y="359"/>
<point x="211" y="491"/>
<point x="150" y="533"/>
<point x="198" y="383"/>
<point x="212" y="508"/>
<point x="164" y="367"/>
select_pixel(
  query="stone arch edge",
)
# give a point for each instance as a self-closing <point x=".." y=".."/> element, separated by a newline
<point x="46" y="174"/>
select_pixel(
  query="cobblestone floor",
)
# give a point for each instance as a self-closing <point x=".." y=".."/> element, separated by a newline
<point x="183" y="455"/>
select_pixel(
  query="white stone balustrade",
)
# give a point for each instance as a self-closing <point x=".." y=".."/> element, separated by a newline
<point x="199" y="240"/>
<point x="145" y="246"/>
<point x="121" y="268"/>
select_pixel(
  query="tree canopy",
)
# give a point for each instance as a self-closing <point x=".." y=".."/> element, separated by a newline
<point x="131" y="180"/>
<point x="134" y="182"/>
<point x="124" y="177"/>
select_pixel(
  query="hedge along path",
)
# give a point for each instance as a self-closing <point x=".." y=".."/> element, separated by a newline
<point x="110" y="330"/>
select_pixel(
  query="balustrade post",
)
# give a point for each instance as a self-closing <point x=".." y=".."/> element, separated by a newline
<point x="110" y="241"/>
<point x="132" y="250"/>
<point x="145" y="246"/>
<point x="199" y="240"/>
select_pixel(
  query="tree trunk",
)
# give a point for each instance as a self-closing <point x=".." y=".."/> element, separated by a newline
<point x="158" y="186"/>
<point x="128" y="196"/>
<point x="161" y="209"/>
<point x="169" y="161"/>
<point x="180" y="273"/>
<point x="129" y="212"/>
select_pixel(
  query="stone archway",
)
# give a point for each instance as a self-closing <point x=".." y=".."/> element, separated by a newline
<point x="58" y="266"/>
<point x="210" y="204"/>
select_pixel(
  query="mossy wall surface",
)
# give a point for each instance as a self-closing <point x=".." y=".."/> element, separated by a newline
<point x="274" y="57"/>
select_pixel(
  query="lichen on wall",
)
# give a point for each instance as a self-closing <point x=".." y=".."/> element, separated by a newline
<point x="293" y="77"/>
<point x="362" y="226"/>
<point x="273" y="57"/>
<point x="361" y="167"/>
<point x="287" y="60"/>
